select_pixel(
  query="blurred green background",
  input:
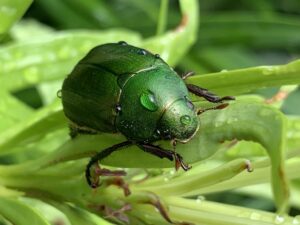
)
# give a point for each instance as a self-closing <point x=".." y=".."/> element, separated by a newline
<point x="232" y="34"/>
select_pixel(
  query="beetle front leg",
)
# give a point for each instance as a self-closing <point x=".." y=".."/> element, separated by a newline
<point x="164" y="153"/>
<point x="93" y="170"/>
<point x="209" y="96"/>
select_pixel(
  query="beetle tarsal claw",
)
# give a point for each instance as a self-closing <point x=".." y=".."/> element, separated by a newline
<point x="155" y="201"/>
<point x="119" y="182"/>
<point x="96" y="171"/>
<point x="179" y="163"/>
<point x="119" y="214"/>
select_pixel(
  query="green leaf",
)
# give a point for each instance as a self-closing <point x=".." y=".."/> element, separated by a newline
<point x="31" y="62"/>
<point x="78" y="216"/>
<point x="184" y="35"/>
<point x="33" y="128"/>
<point x="19" y="213"/>
<point x="252" y="29"/>
<point x="245" y="80"/>
<point x="12" y="111"/>
<point x="200" y="211"/>
<point x="242" y="120"/>
<point x="10" y="12"/>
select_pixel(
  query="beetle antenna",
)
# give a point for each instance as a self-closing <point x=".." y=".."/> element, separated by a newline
<point x="222" y="106"/>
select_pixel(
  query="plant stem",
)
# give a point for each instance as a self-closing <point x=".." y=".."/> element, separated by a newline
<point x="162" y="18"/>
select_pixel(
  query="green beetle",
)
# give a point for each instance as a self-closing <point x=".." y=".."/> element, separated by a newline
<point x="117" y="87"/>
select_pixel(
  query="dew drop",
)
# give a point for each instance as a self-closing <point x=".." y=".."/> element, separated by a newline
<point x="200" y="199"/>
<point x="255" y="216"/>
<point x="66" y="52"/>
<point x="59" y="93"/>
<point x="279" y="219"/>
<point x="172" y="172"/>
<point x="224" y="70"/>
<point x="268" y="70"/>
<point x="141" y="52"/>
<point x="185" y="120"/>
<point x="296" y="220"/>
<point x="122" y="43"/>
<point x="31" y="74"/>
<point x="10" y="11"/>
<point x="157" y="56"/>
<point x="147" y="100"/>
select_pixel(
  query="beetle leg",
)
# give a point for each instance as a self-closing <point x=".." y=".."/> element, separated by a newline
<point x="186" y="75"/>
<point x="93" y="178"/>
<point x="164" y="153"/>
<point x="150" y="198"/>
<point x="209" y="96"/>
<point x="119" y="214"/>
<point x="119" y="182"/>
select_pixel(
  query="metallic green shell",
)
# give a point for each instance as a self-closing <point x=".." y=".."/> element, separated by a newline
<point x="140" y="83"/>
<point x="91" y="92"/>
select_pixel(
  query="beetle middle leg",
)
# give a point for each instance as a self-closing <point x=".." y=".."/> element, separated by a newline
<point x="202" y="92"/>
<point x="164" y="153"/>
<point x="209" y="96"/>
<point x="93" y="170"/>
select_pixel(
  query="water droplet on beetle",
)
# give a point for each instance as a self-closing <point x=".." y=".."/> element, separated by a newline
<point x="147" y="100"/>
<point x="141" y="52"/>
<point x="59" y="93"/>
<point x="118" y="108"/>
<point x="185" y="120"/>
<point x="122" y="43"/>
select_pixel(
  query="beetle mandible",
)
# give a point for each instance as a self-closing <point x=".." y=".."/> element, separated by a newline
<point x="117" y="87"/>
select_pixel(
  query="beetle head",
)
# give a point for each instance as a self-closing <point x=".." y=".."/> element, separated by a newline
<point x="179" y="121"/>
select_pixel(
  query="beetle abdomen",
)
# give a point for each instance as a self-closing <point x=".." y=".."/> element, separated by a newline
<point x="91" y="92"/>
<point x="89" y="97"/>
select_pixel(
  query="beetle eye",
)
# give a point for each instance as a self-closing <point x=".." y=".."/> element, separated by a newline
<point x="189" y="103"/>
<point x="141" y="52"/>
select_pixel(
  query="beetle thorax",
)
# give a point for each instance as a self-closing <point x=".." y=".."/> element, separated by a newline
<point x="154" y="106"/>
